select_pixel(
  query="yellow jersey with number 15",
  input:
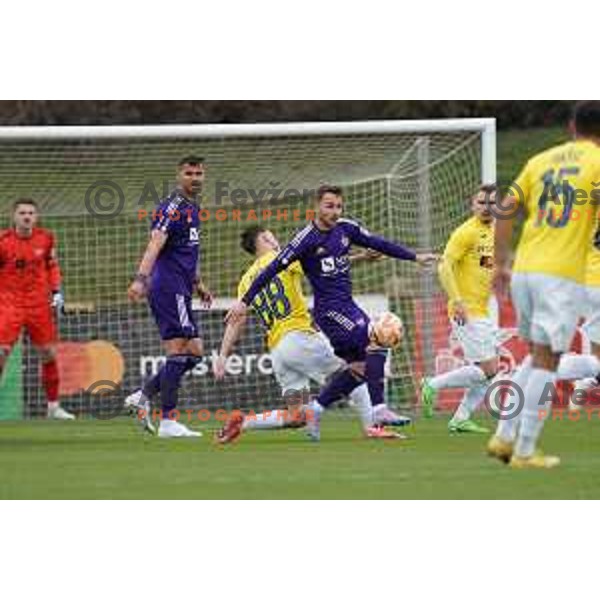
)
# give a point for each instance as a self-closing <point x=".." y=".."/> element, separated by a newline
<point x="560" y="189"/>
<point x="281" y="306"/>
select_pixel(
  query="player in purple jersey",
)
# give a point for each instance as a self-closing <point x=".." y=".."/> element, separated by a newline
<point x="322" y="248"/>
<point x="168" y="274"/>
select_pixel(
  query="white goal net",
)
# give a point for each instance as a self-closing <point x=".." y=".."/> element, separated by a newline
<point x="97" y="187"/>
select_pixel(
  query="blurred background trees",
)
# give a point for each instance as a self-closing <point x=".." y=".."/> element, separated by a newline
<point x="510" y="114"/>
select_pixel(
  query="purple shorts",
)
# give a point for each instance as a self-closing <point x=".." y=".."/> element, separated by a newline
<point x="347" y="329"/>
<point x="173" y="315"/>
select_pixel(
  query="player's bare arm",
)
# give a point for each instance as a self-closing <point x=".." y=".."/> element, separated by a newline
<point x="233" y="332"/>
<point x="366" y="256"/>
<point x="365" y="239"/>
<point x="369" y="255"/>
<point x="427" y="259"/>
<point x="138" y="288"/>
<point x="204" y="293"/>
<point x="237" y="312"/>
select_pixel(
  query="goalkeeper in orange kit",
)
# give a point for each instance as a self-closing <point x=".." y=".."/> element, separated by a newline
<point x="30" y="292"/>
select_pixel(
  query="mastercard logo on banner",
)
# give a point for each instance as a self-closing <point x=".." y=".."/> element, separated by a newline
<point x="82" y="364"/>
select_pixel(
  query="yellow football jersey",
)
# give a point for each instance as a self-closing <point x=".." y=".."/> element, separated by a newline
<point x="470" y="250"/>
<point x="561" y="201"/>
<point x="281" y="306"/>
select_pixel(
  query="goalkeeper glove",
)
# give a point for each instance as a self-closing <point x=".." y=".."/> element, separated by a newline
<point x="58" y="302"/>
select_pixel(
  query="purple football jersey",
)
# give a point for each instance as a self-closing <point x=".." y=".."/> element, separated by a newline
<point x="176" y="265"/>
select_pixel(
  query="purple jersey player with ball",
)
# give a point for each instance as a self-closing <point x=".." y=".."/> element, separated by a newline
<point x="168" y="276"/>
<point x="322" y="248"/>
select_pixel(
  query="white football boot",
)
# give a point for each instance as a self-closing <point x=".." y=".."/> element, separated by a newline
<point x="173" y="429"/>
<point x="55" y="411"/>
<point x="140" y="408"/>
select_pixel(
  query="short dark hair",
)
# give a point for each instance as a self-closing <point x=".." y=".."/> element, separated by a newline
<point x="586" y="117"/>
<point x="28" y="201"/>
<point x="249" y="237"/>
<point x="487" y="188"/>
<point x="336" y="190"/>
<point x="192" y="160"/>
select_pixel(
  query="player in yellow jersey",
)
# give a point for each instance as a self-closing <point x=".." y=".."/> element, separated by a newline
<point x="300" y="353"/>
<point x="558" y="191"/>
<point x="466" y="272"/>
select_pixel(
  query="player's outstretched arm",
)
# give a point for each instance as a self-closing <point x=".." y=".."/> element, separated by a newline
<point x="425" y="259"/>
<point x="284" y="259"/>
<point x="233" y="332"/>
<point x="137" y="290"/>
<point x="239" y="308"/>
<point x="362" y="237"/>
<point x="366" y="256"/>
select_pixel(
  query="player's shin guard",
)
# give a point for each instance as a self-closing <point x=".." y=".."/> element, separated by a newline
<point x="50" y="380"/>
<point x="342" y="384"/>
<point x="375" y="374"/>
<point x="175" y="368"/>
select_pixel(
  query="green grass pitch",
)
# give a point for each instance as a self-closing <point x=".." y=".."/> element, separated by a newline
<point x="111" y="459"/>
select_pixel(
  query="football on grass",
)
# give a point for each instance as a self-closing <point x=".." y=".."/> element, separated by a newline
<point x="387" y="330"/>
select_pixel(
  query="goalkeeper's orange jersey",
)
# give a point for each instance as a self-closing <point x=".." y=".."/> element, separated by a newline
<point x="560" y="189"/>
<point x="29" y="271"/>
<point x="281" y="305"/>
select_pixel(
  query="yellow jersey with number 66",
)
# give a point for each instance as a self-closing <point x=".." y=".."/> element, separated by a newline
<point x="281" y="306"/>
<point x="560" y="189"/>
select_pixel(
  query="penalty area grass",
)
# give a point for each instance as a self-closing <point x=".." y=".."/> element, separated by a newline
<point x="111" y="459"/>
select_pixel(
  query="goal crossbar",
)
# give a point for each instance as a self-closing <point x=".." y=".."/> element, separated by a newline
<point x="65" y="132"/>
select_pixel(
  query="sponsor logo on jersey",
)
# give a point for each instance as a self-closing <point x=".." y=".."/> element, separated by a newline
<point x="328" y="264"/>
<point x="333" y="265"/>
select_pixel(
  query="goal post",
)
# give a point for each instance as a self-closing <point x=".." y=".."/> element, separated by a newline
<point x="97" y="187"/>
